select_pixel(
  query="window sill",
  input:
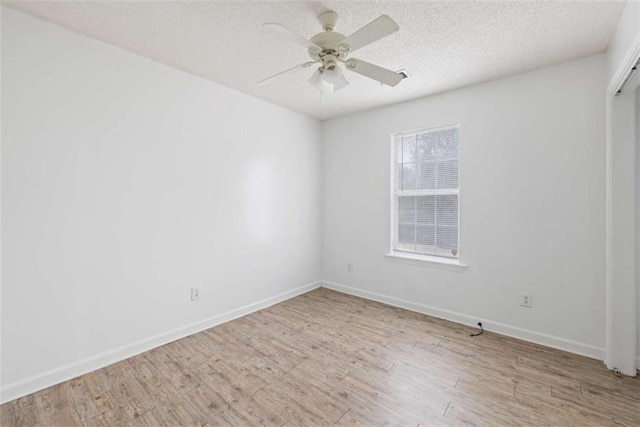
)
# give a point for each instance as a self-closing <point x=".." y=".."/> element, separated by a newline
<point x="426" y="260"/>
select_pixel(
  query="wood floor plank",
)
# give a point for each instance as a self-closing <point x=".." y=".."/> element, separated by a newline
<point x="214" y="409"/>
<point x="326" y="358"/>
<point x="228" y="382"/>
<point x="416" y="399"/>
<point x="127" y="396"/>
<point x="262" y="367"/>
<point x="179" y="376"/>
<point x="282" y="357"/>
<point x="55" y="406"/>
<point x="314" y="397"/>
<point x="479" y="413"/>
<point x="185" y="353"/>
<point x="257" y="413"/>
<point x="115" y="415"/>
<point x="323" y="370"/>
<point x="145" y="420"/>
<point x="365" y="412"/>
<point x="88" y="396"/>
<point x="296" y="413"/>
<point x="158" y="389"/>
<point x="23" y="411"/>
<point x="178" y="413"/>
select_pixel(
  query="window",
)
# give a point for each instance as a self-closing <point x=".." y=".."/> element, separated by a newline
<point x="426" y="192"/>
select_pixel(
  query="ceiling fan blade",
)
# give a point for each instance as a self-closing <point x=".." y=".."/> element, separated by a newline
<point x="284" y="73"/>
<point x="375" y="30"/>
<point x="294" y="37"/>
<point x="384" y="76"/>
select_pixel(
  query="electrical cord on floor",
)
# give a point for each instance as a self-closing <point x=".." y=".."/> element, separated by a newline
<point x="479" y="333"/>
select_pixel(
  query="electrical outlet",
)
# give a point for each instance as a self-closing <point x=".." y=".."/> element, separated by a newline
<point x="349" y="268"/>
<point x="195" y="294"/>
<point x="526" y="300"/>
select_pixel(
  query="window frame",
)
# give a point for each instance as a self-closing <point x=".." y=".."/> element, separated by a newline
<point x="414" y="256"/>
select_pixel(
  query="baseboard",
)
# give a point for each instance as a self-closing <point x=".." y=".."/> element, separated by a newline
<point x="500" y="328"/>
<point x="64" y="373"/>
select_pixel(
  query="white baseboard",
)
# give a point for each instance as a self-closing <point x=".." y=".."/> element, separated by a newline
<point x="64" y="373"/>
<point x="500" y="328"/>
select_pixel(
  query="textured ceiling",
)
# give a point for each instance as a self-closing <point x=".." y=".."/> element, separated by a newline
<point x="442" y="45"/>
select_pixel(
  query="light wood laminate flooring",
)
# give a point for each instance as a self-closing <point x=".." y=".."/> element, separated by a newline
<point x="326" y="358"/>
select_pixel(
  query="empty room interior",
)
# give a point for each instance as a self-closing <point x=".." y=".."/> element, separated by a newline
<point x="314" y="213"/>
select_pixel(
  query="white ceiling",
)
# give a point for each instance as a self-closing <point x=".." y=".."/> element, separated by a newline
<point x="442" y="44"/>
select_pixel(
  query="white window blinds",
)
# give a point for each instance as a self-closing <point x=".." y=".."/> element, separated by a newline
<point x="426" y="192"/>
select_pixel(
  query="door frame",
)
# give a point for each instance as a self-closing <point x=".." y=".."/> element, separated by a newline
<point x="618" y="358"/>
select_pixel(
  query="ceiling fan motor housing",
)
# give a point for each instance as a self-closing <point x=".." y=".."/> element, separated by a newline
<point x="330" y="43"/>
<point x="328" y="40"/>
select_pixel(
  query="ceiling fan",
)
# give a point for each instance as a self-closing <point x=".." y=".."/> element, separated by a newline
<point x="329" y="49"/>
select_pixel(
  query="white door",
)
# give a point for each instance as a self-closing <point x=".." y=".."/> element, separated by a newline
<point x="623" y="299"/>
<point x="638" y="224"/>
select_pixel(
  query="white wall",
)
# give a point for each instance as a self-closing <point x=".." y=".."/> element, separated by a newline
<point x="126" y="182"/>
<point x="532" y="205"/>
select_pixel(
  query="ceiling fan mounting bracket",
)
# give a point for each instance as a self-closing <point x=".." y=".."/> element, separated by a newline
<point x="328" y="20"/>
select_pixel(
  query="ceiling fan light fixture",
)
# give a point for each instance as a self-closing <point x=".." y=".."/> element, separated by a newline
<point x="340" y="83"/>
<point x="316" y="77"/>
<point x="332" y="73"/>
